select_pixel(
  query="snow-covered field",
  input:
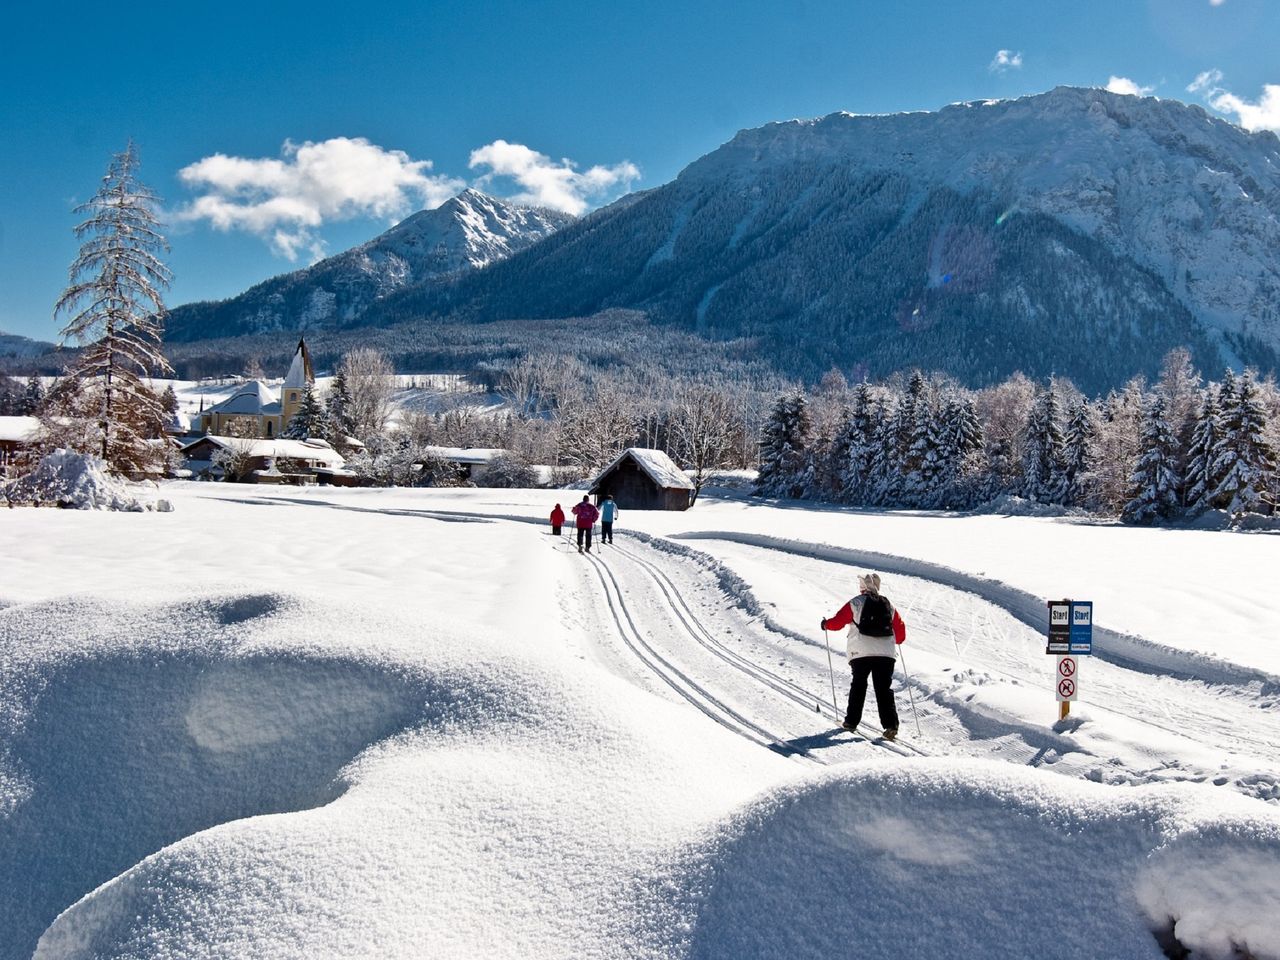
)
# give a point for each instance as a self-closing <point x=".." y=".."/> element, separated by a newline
<point x="371" y="723"/>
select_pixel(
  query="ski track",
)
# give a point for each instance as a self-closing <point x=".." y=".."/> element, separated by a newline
<point x="1133" y="676"/>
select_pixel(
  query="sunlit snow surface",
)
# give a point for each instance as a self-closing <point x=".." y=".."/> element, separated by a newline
<point x="401" y="724"/>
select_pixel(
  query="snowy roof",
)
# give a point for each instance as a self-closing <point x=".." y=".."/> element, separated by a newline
<point x="660" y="468"/>
<point x="254" y="398"/>
<point x="18" y="429"/>
<point x="292" y="449"/>
<point x="465" y="454"/>
<point x="300" y="372"/>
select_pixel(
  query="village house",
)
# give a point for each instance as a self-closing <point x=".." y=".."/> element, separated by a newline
<point x="16" y="433"/>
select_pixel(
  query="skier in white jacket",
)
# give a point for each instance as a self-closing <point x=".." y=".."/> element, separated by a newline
<point x="875" y="630"/>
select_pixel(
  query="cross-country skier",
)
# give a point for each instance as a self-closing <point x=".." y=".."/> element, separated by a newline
<point x="875" y="630"/>
<point x="608" y="513"/>
<point x="586" y="514"/>
<point x="557" y="520"/>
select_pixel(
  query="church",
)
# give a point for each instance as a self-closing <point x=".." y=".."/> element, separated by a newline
<point x="254" y="410"/>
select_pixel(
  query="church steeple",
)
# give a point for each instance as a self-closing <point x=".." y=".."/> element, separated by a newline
<point x="301" y="374"/>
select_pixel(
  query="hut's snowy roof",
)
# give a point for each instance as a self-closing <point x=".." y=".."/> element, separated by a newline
<point x="18" y="429"/>
<point x="660" y="468"/>
<point x="255" y="398"/>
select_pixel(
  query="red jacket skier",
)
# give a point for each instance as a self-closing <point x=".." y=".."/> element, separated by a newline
<point x="875" y="630"/>
<point x="557" y="520"/>
<point x="586" y="514"/>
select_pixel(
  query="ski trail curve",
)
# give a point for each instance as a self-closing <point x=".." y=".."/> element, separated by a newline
<point x="1120" y="649"/>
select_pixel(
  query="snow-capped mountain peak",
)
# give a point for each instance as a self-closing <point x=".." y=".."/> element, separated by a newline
<point x="467" y="232"/>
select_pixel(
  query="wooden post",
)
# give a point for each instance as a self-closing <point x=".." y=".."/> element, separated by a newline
<point x="1063" y="709"/>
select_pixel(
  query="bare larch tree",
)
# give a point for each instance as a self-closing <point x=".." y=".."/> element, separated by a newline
<point x="114" y="304"/>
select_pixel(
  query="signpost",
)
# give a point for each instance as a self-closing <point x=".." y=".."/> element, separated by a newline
<point x="1070" y="636"/>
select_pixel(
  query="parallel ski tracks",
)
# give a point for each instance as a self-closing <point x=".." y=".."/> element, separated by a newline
<point x="697" y="631"/>
<point x="679" y="681"/>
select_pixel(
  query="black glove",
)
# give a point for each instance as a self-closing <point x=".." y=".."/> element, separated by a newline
<point x="824" y="623"/>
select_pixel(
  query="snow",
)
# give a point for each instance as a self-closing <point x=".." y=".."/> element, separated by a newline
<point x="399" y="723"/>
<point x="80" y="482"/>
<point x="18" y="429"/>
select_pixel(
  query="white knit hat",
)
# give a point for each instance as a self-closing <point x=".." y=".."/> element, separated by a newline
<point x="869" y="582"/>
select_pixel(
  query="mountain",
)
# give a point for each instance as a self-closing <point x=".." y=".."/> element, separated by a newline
<point x="468" y="232"/>
<point x="1077" y="231"/>
<point x="17" y="347"/>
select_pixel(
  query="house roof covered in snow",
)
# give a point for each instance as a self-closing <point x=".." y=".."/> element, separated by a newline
<point x="18" y="429"/>
<point x="254" y="398"/>
<point x="316" y="450"/>
<point x="465" y="454"/>
<point x="660" y="468"/>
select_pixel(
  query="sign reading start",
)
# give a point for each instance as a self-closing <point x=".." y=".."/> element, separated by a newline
<point x="1070" y="627"/>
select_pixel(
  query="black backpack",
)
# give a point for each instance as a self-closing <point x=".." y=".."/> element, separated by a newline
<point x="876" y="619"/>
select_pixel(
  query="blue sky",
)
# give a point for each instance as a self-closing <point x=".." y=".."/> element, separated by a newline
<point x="276" y="132"/>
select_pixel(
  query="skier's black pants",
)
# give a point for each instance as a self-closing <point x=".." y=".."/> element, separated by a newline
<point x="880" y="669"/>
<point x="555" y="529"/>
<point x="606" y="531"/>
<point x="581" y="532"/>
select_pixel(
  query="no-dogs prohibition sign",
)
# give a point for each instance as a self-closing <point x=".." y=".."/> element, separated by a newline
<point x="1068" y="685"/>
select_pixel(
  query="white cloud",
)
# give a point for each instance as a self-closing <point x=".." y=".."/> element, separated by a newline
<point x="1262" y="115"/>
<point x="1216" y="3"/>
<point x="1005" y="60"/>
<point x="544" y="182"/>
<point x="285" y="200"/>
<point x="1204" y="81"/>
<point x="1127" y="87"/>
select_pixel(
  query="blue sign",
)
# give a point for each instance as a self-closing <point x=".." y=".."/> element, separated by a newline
<point x="1082" y="626"/>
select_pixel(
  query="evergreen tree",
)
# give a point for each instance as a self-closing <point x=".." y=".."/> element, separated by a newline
<point x="1078" y="452"/>
<point x="785" y="470"/>
<point x="338" y="407"/>
<point x="114" y="304"/>
<point x="1202" y="479"/>
<point x="10" y="397"/>
<point x="1179" y="386"/>
<point x="311" y="420"/>
<point x="1246" y="461"/>
<point x="962" y="455"/>
<point x="1154" y="483"/>
<point x="1043" y="464"/>
<point x="861" y="447"/>
<point x="32" y="397"/>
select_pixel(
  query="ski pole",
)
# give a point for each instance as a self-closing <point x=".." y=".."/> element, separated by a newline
<point x="831" y="672"/>
<point x="910" y="694"/>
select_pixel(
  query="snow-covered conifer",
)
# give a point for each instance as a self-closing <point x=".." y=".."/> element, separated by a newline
<point x="311" y="420"/>
<point x="1246" y="461"/>
<point x="785" y="470"/>
<point x="861" y="447"/>
<point x="1202" y="478"/>
<point x="114" y="305"/>
<point x="1154" y="483"/>
<point x="1078" y="452"/>
<point x="1043" y="463"/>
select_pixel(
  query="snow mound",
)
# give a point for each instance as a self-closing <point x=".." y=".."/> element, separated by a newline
<point x="263" y="774"/>
<point x="77" y="481"/>
<point x="943" y="858"/>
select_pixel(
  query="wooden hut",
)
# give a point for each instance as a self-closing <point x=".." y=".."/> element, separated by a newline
<point x="642" y="479"/>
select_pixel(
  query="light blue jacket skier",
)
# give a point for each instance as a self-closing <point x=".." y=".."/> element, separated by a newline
<point x="608" y="513"/>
